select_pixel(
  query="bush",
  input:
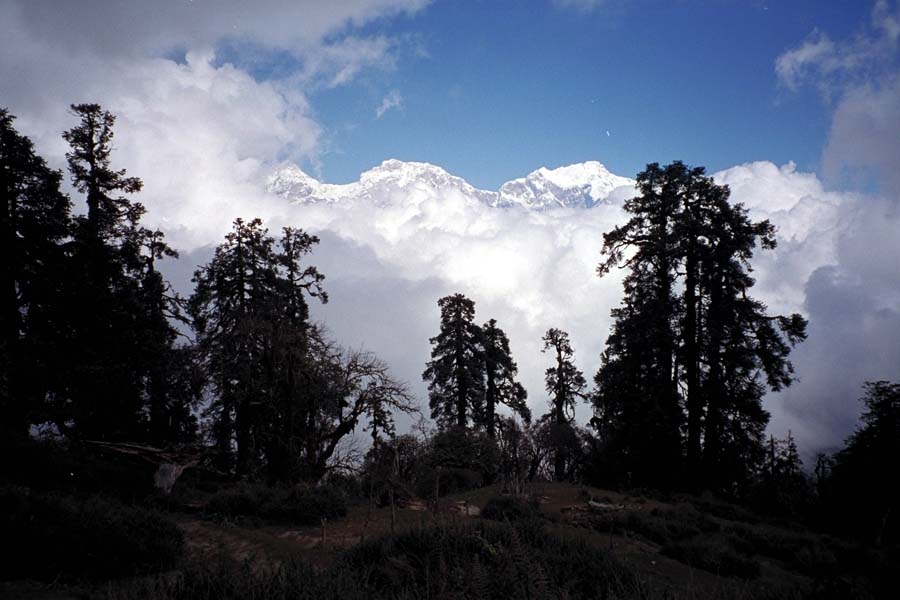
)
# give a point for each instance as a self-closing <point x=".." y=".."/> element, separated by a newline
<point x="657" y="525"/>
<point x="61" y="466"/>
<point x="713" y="554"/>
<point x="228" y="579"/>
<point x="510" y="508"/>
<point x="457" y="460"/>
<point x="807" y="553"/>
<point x="469" y="560"/>
<point x="309" y="505"/>
<point x="50" y="537"/>
<point x="299" y="505"/>
<point x="487" y="560"/>
<point x="243" y="501"/>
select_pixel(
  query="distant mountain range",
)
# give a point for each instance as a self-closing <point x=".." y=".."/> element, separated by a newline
<point x="582" y="185"/>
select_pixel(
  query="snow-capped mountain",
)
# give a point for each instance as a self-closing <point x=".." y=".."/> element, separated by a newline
<point x="581" y="185"/>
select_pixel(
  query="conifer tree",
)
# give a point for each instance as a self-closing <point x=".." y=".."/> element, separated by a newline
<point x="565" y="383"/>
<point x="500" y="372"/>
<point x="284" y="396"/>
<point x="455" y="373"/>
<point x="34" y="223"/>
<point x="120" y="305"/>
<point x="865" y="497"/>
<point x="231" y="309"/>
<point x="688" y="323"/>
<point x="640" y="354"/>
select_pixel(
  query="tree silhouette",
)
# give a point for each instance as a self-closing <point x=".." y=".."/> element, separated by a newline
<point x="250" y="317"/>
<point x="712" y="344"/>
<point x="455" y="373"/>
<point x="564" y="383"/>
<point x="642" y="422"/>
<point x="500" y="372"/>
<point x="120" y="306"/>
<point x="865" y="498"/>
<point x="34" y="222"/>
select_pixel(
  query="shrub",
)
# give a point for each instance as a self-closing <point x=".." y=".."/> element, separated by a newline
<point x="713" y="554"/>
<point x="309" y="505"/>
<point x="469" y="560"/>
<point x="456" y="460"/>
<point x="298" y="505"/>
<point x="228" y="579"/>
<point x="483" y="559"/>
<point x="510" y="508"/>
<point x="68" y="537"/>
<point x="60" y="466"/>
<point x="657" y="525"/>
<point x="243" y="501"/>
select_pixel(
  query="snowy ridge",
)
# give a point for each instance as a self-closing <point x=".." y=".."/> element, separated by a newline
<point x="582" y="185"/>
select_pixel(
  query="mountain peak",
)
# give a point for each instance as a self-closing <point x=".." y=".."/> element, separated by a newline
<point x="580" y="185"/>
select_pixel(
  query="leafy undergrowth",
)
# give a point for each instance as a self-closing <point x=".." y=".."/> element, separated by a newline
<point x="467" y="559"/>
<point x="54" y="537"/>
<point x="559" y="541"/>
<point x="305" y="506"/>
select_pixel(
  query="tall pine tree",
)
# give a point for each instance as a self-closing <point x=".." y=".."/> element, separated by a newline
<point x="455" y="373"/>
<point x="688" y="323"/>
<point x="122" y="339"/>
<point x="500" y="372"/>
<point x="565" y="383"/>
<point x="34" y="224"/>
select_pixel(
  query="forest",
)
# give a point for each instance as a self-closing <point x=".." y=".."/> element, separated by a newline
<point x="224" y="445"/>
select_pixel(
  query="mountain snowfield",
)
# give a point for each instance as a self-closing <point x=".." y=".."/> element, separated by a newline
<point x="582" y="185"/>
<point x="407" y="233"/>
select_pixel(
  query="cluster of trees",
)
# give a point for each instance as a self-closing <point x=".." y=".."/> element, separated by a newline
<point x="691" y="353"/>
<point x="95" y="342"/>
<point x="89" y="340"/>
<point x="678" y="397"/>
<point x="96" y="345"/>
<point x="472" y="372"/>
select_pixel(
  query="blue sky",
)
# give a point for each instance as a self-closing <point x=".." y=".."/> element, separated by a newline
<point x="493" y="90"/>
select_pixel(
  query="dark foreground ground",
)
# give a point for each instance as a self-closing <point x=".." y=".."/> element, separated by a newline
<point x="563" y="541"/>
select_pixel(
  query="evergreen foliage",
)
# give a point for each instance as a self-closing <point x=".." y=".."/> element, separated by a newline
<point x="859" y="485"/>
<point x="122" y="335"/>
<point x="455" y="373"/>
<point x="688" y="339"/>
<point x="500" y="372"/>
<point x="284" y="396"/>
<point x="565" y="383"/>
<point x="35" y="221"/>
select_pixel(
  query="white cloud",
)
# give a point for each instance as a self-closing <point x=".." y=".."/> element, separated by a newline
<point x="389" y="258"/>
<point x="392" y="100"/>
<point x="135" y="27"/>
<point x="853" y="300"/>
<point x="833" y="66"/>
<point x="197" y="131"/>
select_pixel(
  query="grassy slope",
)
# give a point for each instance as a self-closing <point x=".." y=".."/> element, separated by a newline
<point x="675" y="548"/>
<point x="568" y="515"/>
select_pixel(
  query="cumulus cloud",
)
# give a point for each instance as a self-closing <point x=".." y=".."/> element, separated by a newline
<point x="391" y="254"/>
<point x="392" y="100"/>
<point x="853" y="299"/>
<point x="199" y="132"/>
<point x="832" y="65"/>
<point x="134" y="27"/>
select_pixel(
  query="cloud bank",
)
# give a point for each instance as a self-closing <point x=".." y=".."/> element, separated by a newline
<point x="204" y="135"/>
<point x="852" y="300"/>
